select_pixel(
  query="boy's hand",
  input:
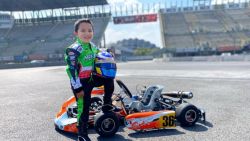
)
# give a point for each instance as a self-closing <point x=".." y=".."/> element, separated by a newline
<point x="80" y="94"/>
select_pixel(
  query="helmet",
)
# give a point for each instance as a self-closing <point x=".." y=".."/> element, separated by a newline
<point x="105" y="65"/>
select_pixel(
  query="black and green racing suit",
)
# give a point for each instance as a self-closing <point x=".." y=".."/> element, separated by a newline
<point x="80" y="58"/>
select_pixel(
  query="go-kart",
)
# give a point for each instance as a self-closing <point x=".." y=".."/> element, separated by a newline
<point x="66" y="118"/>
<point x="151" y="109"/>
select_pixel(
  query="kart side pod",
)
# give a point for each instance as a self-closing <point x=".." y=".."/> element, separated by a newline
<point x="107" y="124"/>
<point x="150" y="120"/>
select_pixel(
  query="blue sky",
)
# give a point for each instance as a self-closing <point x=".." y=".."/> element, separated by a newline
<point x="147" y="31"/>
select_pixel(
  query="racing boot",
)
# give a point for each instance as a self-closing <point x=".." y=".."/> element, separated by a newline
<point x="107" y="104"/>
<point x="83" y="138"/>
<point x="108" y="108"/>
<point x="83" y="133"/>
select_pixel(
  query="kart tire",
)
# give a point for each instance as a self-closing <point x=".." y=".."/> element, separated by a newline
<point x="97" y="100"/>
<point x="110" y="127"/>
<point x="57" y="128"/>
<point x="187" y="114"/>
<point x="122" y="121"/>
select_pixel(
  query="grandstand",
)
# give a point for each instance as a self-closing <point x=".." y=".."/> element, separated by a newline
<point x="42" y="37"/>
<point x="202" y="27"/>
<point x="215" y="26"/>
<point x="47" y="38"/>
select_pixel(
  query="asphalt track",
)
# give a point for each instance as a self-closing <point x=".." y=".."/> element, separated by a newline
<point x="31" y="97"/>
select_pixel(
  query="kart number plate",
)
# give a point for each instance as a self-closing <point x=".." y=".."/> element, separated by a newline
<point x="168" y="121"/>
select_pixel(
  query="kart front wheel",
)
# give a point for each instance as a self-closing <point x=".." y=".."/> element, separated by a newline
<point x="187" y="114"/>
<point x="106" y="124"/>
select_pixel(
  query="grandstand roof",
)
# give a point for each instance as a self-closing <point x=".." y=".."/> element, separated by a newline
<point x="33" y="5"/>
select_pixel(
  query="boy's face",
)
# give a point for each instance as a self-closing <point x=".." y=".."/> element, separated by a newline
<point x="85" y="32"/>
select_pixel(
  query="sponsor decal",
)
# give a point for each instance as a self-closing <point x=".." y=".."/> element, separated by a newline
<point x="72" y="57"/>
<point x="163" y="120"/>
<point x="135" y="19"/>
<point x="86" y="68"/>
<point x="73" y="63"/>
<point x="75" y="83"/>
<point x="71" y="53"/>
<point x="79" y="49"/>
<point x="75" y="46"/>
<point x="89" y="57"/>
<point x="137" y="122"/>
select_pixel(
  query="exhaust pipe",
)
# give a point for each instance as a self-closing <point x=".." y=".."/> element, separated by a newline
<point x="178" y="94"/>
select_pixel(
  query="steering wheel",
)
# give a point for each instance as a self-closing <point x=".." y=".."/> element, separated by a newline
<point x="124" y="88"/>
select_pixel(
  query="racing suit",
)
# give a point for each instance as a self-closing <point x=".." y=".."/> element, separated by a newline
<point x="80" y="58"/>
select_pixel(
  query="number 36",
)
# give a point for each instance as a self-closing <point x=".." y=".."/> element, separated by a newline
<point x="168" y="121"/>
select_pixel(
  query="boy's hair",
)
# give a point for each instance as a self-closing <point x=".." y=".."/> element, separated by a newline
<point x="78" y="22"/>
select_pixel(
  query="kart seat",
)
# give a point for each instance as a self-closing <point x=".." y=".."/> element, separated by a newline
<point x="148" y="100"/>
<point x="148" y="95"/>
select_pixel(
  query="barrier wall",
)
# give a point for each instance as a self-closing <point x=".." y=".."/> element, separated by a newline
<point x="29" y="65"/>
<point x="212" y="58"/>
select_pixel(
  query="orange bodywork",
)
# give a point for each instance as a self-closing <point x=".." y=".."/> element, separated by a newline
<point x="142" y="114"/>
<point x="71" y="128"/>
<point x="71" y="100"/>
<point x="151" y="120"/>
<point x="66" y="104"/>
<point x="98" y="91"/>
<point x="61" y="114"/>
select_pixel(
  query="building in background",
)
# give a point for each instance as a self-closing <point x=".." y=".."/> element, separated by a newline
<point x="133" y="49"/>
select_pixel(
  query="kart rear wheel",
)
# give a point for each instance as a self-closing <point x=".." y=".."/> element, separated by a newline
<point x="187" y="114"/>
<point x="106" y="124"/>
